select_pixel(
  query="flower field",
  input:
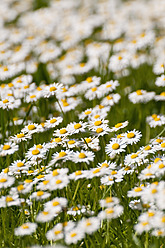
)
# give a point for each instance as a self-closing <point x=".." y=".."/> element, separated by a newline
<point x="82" y="124"/>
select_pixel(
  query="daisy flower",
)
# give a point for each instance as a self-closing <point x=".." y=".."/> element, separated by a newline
<point x="8" y="148"/>
<point x="31" y="128"/>
<point x="109" y="202"/>
<point x="63" y="132"/>
<point x="6" y="181"/>
<point x="160" y="81"/>
<point x="83" y="156"/>
<point x="45" y="216"/>
<point x="101" y="131"/>
<point x="20" y="137"/>
<point x="94" y="124"/>
<point x="115" y="146"/>
<point x="160" y="97"/>
<point x="62" y="155"/>
<point x="71" y="143"/>
<point x="8" y="201"/>
<point x="35" y="153"/>
<point x="56" y="204"/>
<point x="156" y="120"/>
<point x="78" y="174"/>
<point x="74" y="127"/>
<point x="25" y="229"/>
<point x="52" y="90"/>
<point x="58" y="182"/>
<point x="111" y="99"/>
<point x="132" y="137"/>
<point x="141" y="96"/>
<point x="56" y="233"/>
<point x="119" y="125"/>
<point x="53" y="122"/>
<point x="75" y="235"/>
<point x="111" y="212"/>
<point x="91" y="142"/>
<point x="40" y="195"/>
<point x="89" y="225"/>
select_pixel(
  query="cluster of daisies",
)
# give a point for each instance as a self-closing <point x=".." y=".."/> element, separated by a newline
<point x="68" y="167"/>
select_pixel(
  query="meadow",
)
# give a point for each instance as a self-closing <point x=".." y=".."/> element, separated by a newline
<point x="82" y="124"/>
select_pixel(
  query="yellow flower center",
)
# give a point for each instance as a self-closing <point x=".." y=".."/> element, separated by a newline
<point x="157" y="160"/>
<point x="96" y="116"/>
<point x="93" y="89"/>
<point x="57" y="140"/>
<point x="89" y="79"/>
<point x="82" y="64"/>
<point x="45" y="182"/>
<point x="31" y="127"/>
<point x="6" y="147"/>
<point x="109" y="211"/>
<point x="159" y="140"/>
<point x="109" y="97"/>
<point x="77" y="173"/>
<point x="163" y="219"/>
<point x="139" y="92"/>
<point x="32" y="96"/>
<point x="88" y="223"/>
<point x="9" y="94"/>
<point x="57" y="232"/>
<point x="118" y="125"/>
<point x="150" y="214"/>
<point x="6" y="170"/>
<point x="28" y="181"/>
<point x="3" y="180"/>
<point x="96" y="171"/>
<point x="144" y="223"/>
<point x="20" y="164"/>
<point x="62" y="154"/>
<point x="109" y="199"/>
<point x="157" y="119"/>
<point x="10" y="85"/>
<point x="71" y="142"/>
<point x="62" y="131"/>
<point x="55" y="203"/>
<point x="82" y="155"/>
<point x="148" y="174"/>
<point x="98" y="123"/>
<point x="130" y="135"/>
<point x="161" y="166"/>
<point x="99" y="130"/>
<point x="115" y="146"/>
<point x="104" y="165"/>
<point x="163" y="93"/>
<point x="39" y="146"/>
<point x="40" y="176"/>
<point x="120" y="57"/>
<point x="24" y="226"/>
<point x="138" y="189"/>
<point x="9" y="199"/>
<point x="20" y="135"/>
<point x="35" y="152"/>
<point x="147" y="148"/>
<point x="20" y="187"/>
<point x="87" y="112"/>
<point x="134" y="156"/>
<point x="40" y="193"/>
<point x="109" y="85"/>
<point x="52" y="89"/>
<point x="53" y="121"/>
<point x="163" y="145"/>
<point x="88" y="140"/>
<point x="113" y="172"/>
<point x="58" y="181"/>
<point x="73" y="235"/>
<point x="77" y="126"/>
<point x="154" y="116"/>
<point x="153" y="191"/>
<point x="55" y="173"/>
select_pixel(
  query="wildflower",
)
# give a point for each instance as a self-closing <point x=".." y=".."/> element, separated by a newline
<point x="74" y="127"/>
<point x="160" y="81"/>
<point x="110" y="100"/>
<point x="83" y="156"/>
<point x="53" y="122"/>
<point x="141" y="96"/>
<point x="8" y="149"/>
<point x="45" y="216"/>
<point x="73" y="236"/>
<point x="119" y="125"/>
<point x="111" y="212"/>
<point x="89" y="225"/>
<point x="132" y="137"/>
<point x="25" y="229"/>
<point x="115" y="147"/>
<point x="40" y="195"/>
<point x="6" y="181"/>
<point x="56" y="233"/>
